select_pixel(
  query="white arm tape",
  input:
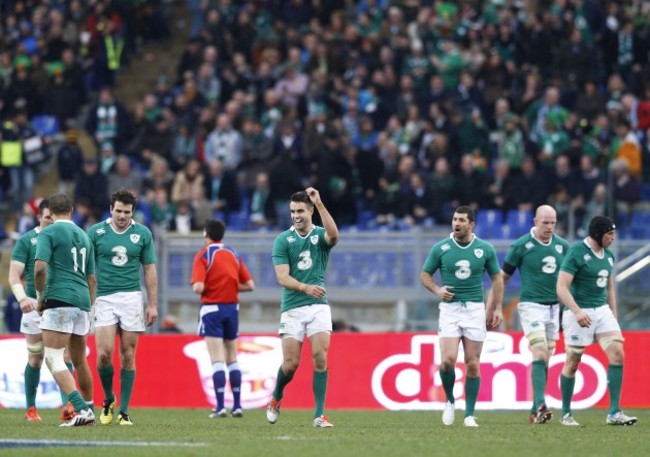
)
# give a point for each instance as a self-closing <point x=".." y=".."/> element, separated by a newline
<point x="19" y="292"/>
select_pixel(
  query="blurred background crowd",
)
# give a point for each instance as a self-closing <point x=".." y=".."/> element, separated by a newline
<point x="396" y="110"/>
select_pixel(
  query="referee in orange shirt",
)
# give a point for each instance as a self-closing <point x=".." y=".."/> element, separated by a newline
<point x="218" y="275"/>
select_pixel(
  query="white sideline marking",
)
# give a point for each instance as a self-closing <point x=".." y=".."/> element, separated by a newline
<point x="7" y="443"/>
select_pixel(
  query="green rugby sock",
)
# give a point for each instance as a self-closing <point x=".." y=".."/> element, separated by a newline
<point x="64" y="397"/>
<point x="281" y="383"/>
<point x="127" y="378"/>
<point x="319" y="386"/>
<point x="448" y="379"/>
<point x="566" y="386"/>
<point x="32" y="378"/>
<point x="78" y="403"/>
<point x="614" y="383"/>
<point x="472" y="386"/>
<point x="539" y="383"/>
<point x="106" y="377"/>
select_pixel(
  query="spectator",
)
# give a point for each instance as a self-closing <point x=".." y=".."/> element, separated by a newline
<point x="92" y="187"/>
<point x="122" y="177"/>
<point x="190" y="177"/>
<point x="224" y="143"/>
<point x="69" y="161"/>
<point x="109" y="121"/>
<point x="223" y="192"/>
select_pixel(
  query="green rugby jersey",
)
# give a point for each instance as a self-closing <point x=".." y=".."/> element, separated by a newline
<point x="539" y="265"/>
<point x="307" y="257"/>
<point x="24" y="252"/>
<point x="119" y="255"/>
<point x="590" y="274"/>
<point x="463" y="267"/>
<point x="69" y="255"/>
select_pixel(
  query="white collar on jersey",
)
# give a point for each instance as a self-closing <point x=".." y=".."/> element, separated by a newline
<point x="532" y="233"/>
<point x="451" y="235"/>
<point x="109" y="221"/>
<point x="600" y="255"/>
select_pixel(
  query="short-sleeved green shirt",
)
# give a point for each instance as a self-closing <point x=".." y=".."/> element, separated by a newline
<point x="590" y="274"/>
<point x="24" y="252"/>
<point x="463" y="267"/>
<point x="119" y="255"/>
<point x="539" y="265"/>
<point x="307" y="257"/>
<point x="70" y="257"/>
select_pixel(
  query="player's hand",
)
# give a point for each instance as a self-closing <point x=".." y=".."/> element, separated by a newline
<point x="27" y="305"/>
<point x="445" y="293"/>
<point x="315" y="291"/>
<point x="583" y="319"/>
<point x="313" y="195"/>
<point x="494" y="319"/>
<point x="151" y="315"/>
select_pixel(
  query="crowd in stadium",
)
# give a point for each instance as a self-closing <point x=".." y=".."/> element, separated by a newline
<point x="397" y="111"/>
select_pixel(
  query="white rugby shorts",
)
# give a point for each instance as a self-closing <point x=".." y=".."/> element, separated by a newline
<point x="602" y="321"/>
<point x="462" y="320"/>
<point x="305" y="320"/>
<point x="123" y="308"/>
<point x="540" y="318"/>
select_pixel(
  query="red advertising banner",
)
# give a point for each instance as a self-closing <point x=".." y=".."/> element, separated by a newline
<point x="366" y="371"/>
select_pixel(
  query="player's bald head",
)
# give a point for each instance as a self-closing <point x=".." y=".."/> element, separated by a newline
<point x="545" y="211"/>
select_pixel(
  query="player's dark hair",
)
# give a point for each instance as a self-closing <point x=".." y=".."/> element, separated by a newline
<point x="471" y="216"/>
<point x="43" y="205"/>
<point x="301" y="197"/>
<point x="215" y="229"/>
<point x="599" y="226"/>
<point x="123" y="196"/>
<point x="60" y="204"/>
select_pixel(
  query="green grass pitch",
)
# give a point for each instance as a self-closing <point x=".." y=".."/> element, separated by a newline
<point x="189" y="432"/>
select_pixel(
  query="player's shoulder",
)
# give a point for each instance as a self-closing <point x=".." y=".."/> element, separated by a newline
<point x="98" y="229"/>
<point x="286" y="235"/>
<point x="443" y="245"/>
<point x="523" y="240"/>
<point x="28" y="236"/>
<point x="140" y="229"/>
<point x="481" y="243"/>
<point x="560" y="240"/>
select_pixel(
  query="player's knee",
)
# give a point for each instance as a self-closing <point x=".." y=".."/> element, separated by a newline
<point x="103" y="359"/>
<point x="573" y="356"/>
<point x="613" y="347"/>
<point x="473" y="368"/>
<point x="448" y="365"/>
<point x="54" y="360"/>
<point x="290" y="366"/>
<point x="607" y="341"/>
<point x="550" y="346"/>
<point x="35" y="349"/>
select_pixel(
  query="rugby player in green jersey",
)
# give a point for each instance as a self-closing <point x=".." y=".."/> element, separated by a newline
<point x="538" y="255"/>
<point x="22" y="267"/>
<point x="121" y="247"/>
<point x="463" y="259"/>
<point x="300" y="257"/>
<point x="64" y="279"/>
<point x="585" y="287"/>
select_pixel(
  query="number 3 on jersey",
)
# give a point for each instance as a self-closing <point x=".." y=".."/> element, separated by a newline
<point x="305" y="262"/>
<point x="464" y="271"/>
<point x="120" y="258"/>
